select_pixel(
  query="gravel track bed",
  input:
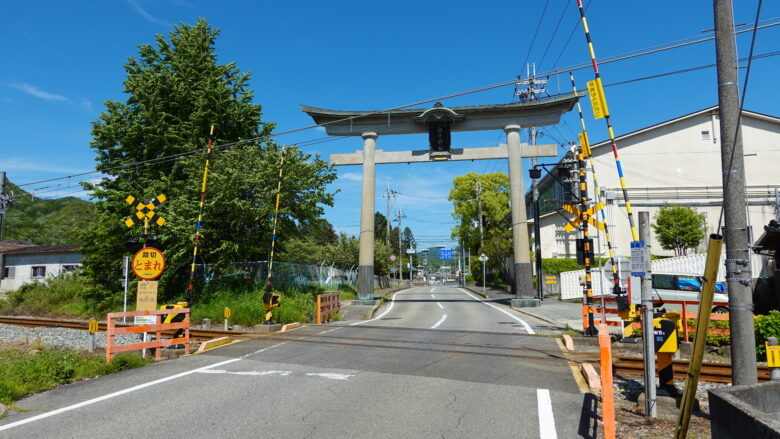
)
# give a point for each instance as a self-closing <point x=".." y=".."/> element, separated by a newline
<point x="61" y="337"/>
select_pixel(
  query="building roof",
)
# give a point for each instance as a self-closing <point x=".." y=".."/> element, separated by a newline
<point x="12" y="244"/>
<point x="713" y="109"/>
<point x="618" y="139"/>
<point x="43" y="249"/>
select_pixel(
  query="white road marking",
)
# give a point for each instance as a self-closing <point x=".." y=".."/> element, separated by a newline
<point x="546" y="417"/>
<point x="527" y="327"/>
<point x="433" y="295"/>
<point x="331" y="376"/>
<point x="392" y="302"/>
<point x="433" y="289"/>
<point x="129" y="390"/>
<point x="283" y="373"/>
<point x="441" y="320"/>
<point x="440" y="305"/>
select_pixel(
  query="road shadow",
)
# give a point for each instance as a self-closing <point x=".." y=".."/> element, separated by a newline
<point x="589" y="417"/>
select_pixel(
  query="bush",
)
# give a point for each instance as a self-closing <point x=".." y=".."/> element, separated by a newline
<point x="247" y="307"/>
<point x="60" y="295"/>
<point x="25" y="372"/>
<point x="765" y="326"/>
<point x="469" y="278"/>
<point x="556" y="266"/>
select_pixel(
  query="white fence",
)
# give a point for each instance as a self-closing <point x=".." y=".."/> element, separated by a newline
<point x="690" y="264"/>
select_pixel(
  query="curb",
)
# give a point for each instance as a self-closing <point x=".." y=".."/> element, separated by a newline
<point x="213" y="344"/>
<point x="548" y="321"/>
<point x="3" y="411"/>
<point x="591" y="377"/>
<point x="290" y="326"/>
<point x="568" y="342"/>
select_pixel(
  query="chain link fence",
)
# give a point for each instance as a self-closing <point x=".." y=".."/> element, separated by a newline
<point x="285" y="276"/>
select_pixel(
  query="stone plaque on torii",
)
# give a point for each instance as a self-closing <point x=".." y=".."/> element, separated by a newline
<point x="439" y="122"/>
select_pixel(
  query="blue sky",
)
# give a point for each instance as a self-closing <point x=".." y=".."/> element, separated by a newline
<point x="62" y="60"/>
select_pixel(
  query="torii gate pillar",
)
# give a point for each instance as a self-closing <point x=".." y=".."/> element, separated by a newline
<point x="523" y="279"/>
<point x="366" y="258"/>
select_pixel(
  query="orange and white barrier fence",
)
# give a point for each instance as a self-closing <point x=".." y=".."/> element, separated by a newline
<point x="112" y="330"/>
<point x="327" y="305"/>
<point x="682" y="326"/>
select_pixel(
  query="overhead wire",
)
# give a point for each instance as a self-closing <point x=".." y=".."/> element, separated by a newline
<point x="628" y="55"/>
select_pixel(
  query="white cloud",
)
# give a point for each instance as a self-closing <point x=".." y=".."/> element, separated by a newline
<point x="20" y="164"/>
<point x="136" y="5"/>
<point x="35" y="91"/>
<point x="351" y="176"/>
<point x="87" y="104"/>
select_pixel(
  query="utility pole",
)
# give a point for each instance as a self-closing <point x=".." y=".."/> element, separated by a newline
<point x="387" y="232"/>
<point x="481" y="235"/>
<point x="738" y="273"/>
<point x="531" y="93"/>
<point x="648" y="339"/>
<point x="400" y="247"/>
<point x="5" y="203"/>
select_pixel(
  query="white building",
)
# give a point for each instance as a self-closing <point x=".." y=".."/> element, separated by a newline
<point x="36" y="263"/>
<point x="676" y="162"/>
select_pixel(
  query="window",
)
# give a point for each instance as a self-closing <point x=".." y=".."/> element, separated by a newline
<point x="705" y="135"/>
<point x="664" y="281"/>
<point x="9" y="272"/>
<point x="67" y="268"/>
<point x="39" y="272"/>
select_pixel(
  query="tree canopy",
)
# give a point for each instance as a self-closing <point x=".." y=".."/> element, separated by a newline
<point x="155" y="143"/>
<point x="679" y="228"/>
<point x="494" y="197"/>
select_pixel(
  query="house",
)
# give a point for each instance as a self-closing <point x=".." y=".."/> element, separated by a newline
<point x="23" y="264"/>
<point x="676" y="162"/>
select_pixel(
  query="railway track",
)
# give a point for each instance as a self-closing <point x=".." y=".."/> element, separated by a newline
<point x="712" y="372"/>
<point x="34" y="322"/>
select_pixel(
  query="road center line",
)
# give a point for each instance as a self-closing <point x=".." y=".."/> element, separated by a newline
<point x="441" y="320"/>
<point x="440" y="305"/>
<point x="546" y="417"/>
<point x="433" y="295"/>
<point x="527" y="327"/>
<point x="129" y="390"/>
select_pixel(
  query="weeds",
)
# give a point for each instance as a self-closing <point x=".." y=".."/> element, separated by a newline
<point x="34" y="370"/>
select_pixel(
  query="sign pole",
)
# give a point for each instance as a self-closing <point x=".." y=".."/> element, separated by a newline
<point x="647" y="319"/>
<point x="127" y="268"/>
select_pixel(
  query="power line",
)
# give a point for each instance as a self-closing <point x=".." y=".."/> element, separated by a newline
<point x="259" y="139"/>
<point x="538" y="25"/>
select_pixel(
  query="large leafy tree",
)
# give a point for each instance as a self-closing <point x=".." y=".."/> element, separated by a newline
<point x="679" y="228"/>
<point x="342" y="253"/>
<point x="154" y="143"/>
<point x="494" y="196"/>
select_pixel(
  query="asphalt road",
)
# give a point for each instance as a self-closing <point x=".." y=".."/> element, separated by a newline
<point x="436" y="362"/>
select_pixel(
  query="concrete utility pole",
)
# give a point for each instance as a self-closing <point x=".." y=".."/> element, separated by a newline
<point x="648" y="339"/>
<point x="481" y="235"/>
<point x="531" y="93"/>
<point x="387" y="232"/>
<point x="738" y="273"/>
<point x="400" y="246"/>
<point x="4" y="203"/>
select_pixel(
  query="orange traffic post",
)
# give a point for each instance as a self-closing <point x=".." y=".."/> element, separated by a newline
<point x="607" y="398"/>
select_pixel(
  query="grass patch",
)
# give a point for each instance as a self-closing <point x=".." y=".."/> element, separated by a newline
<point x="28" y="371"/>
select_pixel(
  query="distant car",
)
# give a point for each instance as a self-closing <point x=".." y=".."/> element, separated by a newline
<point x="672" y="286"/>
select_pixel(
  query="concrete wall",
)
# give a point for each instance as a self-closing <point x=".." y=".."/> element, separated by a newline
<point x="751" y="411"/>
<point x="23" y="267"/>
<point x="673" y="163"/>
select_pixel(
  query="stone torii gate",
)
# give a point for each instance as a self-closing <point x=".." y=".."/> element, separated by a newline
<point x="438" y="122"/>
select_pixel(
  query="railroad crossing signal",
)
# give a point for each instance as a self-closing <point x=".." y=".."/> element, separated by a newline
<point x="589" y="213"/>
<point x="144" y="211"/>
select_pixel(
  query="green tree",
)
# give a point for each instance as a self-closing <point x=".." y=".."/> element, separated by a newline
<point x="497" y="236"/>
<point x="342" y="253"/>
<point x="679" y="228"/>
<point x="154" y="143"/>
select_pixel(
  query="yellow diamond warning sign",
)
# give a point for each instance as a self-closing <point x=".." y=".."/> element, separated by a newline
<point x="148" y="263"/>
